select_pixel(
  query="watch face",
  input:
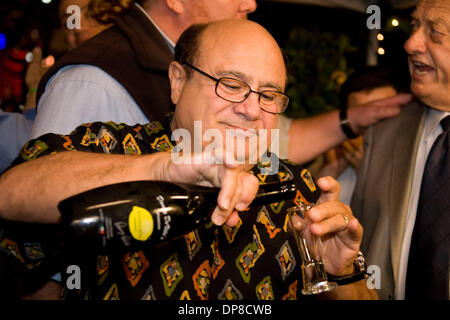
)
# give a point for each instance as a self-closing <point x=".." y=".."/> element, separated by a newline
<point x="360" y="262"/>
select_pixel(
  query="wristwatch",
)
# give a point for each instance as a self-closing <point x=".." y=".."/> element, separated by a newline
<point x="345" y="124"/>
<point x="359" y="274"/>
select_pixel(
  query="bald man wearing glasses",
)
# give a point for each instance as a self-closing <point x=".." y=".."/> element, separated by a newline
<point x="228" y="75"/>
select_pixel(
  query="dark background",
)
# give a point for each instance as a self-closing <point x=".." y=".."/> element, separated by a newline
<point x="280" y="18"/>
<point x="27" y="23"/>
<point x="19" y="17"/>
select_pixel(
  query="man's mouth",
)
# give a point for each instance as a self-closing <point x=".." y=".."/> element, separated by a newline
<point x="420" y="68"/>
<point x="240" y="128"/>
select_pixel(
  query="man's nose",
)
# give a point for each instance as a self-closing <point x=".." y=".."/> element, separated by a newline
<point x="416" y="42"/>
<point x="248" y="6"/>
<point x="250" y="107"/>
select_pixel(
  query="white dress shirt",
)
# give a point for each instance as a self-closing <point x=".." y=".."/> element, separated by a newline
<point x="430" y="133"/>
<point x="83" y="93"/>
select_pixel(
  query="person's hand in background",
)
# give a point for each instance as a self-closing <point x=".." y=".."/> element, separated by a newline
<point x="353" y="151"/>
<point x="334" y="163"/>
<point x="36" y="69"/>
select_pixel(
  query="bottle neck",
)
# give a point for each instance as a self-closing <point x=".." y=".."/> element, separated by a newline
<point x="267" y="193"/>
<point x="274" y="192"/>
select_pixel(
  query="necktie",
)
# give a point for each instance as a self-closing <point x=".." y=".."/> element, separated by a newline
<point x="427" y="275"/>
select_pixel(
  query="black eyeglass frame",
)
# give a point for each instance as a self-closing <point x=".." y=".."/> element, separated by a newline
<point x="217" y="80"/>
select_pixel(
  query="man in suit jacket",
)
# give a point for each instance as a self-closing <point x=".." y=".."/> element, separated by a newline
<point x="389" y="179"/>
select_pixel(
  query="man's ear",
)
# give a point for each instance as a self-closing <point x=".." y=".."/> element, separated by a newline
<point x="177" y="6"/>
<point x="177" y="77"/>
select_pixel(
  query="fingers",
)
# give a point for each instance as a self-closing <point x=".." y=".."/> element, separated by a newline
<point x="331" y="155"/>
<point x="353" y="159"/>
<point x="368" y="114"/>
<point x="229" y="191"/>
<point x="250" y="186"/>
<point x="353" y="152"/>
<point x="37" y="54"/>
<point x="334" y="217"/>
<point x="48" y="62"/>
<point x="390" y="107"/>
<point x="386" y="111"/>
<point x="330" y="189"/>
<point x="399" y="99"/>
<point x="295" y="222"/>
<point x="238" y="189"/>
<point x="37" y="58"/>
<point x="390" y="102"/>
<point x="330" y="217"/>
<point x="352" y="145"/>
<point x="233" y="219"/>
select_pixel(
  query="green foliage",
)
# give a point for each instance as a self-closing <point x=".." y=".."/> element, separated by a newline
<point x="318" y="66"/>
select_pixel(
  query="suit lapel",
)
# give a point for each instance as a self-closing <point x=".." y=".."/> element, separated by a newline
<point x="406" y="143"/>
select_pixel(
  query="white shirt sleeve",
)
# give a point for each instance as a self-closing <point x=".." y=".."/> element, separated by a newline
<point x="14" y="133"/>
<point x="80" y="94"/>
<point x="284" y="123"/>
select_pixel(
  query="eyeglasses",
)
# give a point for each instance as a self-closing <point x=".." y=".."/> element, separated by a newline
<point x="237" y="91"/>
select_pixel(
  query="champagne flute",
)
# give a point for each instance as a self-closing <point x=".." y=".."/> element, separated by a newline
<point x="315" y="278"/>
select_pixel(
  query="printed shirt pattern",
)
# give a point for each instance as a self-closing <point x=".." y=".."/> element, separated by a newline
<point x="257" y="259"/>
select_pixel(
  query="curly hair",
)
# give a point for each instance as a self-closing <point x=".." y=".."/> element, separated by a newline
<point x="107" y="11"/>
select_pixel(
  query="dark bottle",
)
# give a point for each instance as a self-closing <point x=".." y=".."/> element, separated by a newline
<point x="146" y="212"/>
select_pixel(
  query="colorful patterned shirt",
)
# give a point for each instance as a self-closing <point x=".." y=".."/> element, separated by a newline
<point x="256" y="259"/>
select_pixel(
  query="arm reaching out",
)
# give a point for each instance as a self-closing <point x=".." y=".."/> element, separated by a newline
<point x="32" y="190"/>
<point x="321" y="133"/>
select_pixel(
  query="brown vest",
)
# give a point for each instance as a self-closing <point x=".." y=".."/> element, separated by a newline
<point x="134" y="53"/>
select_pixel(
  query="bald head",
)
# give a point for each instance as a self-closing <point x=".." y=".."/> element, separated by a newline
<point x="232" y="37"/>
<point x="228" y="33"/>
<point x="224" y="59"/>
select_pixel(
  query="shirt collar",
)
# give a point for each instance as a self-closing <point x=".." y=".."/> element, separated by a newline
<point x="169" y="42"/>
<point x="433" y="119"/>
<point x="151" y="48"/>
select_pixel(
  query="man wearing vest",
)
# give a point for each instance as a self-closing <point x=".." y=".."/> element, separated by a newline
<point x="121" y="74"/>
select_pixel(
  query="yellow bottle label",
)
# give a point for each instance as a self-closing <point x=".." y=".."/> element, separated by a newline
<point x="140" y="222"/>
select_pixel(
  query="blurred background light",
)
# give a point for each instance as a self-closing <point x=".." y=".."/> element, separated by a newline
<point x="2" y="41"/>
